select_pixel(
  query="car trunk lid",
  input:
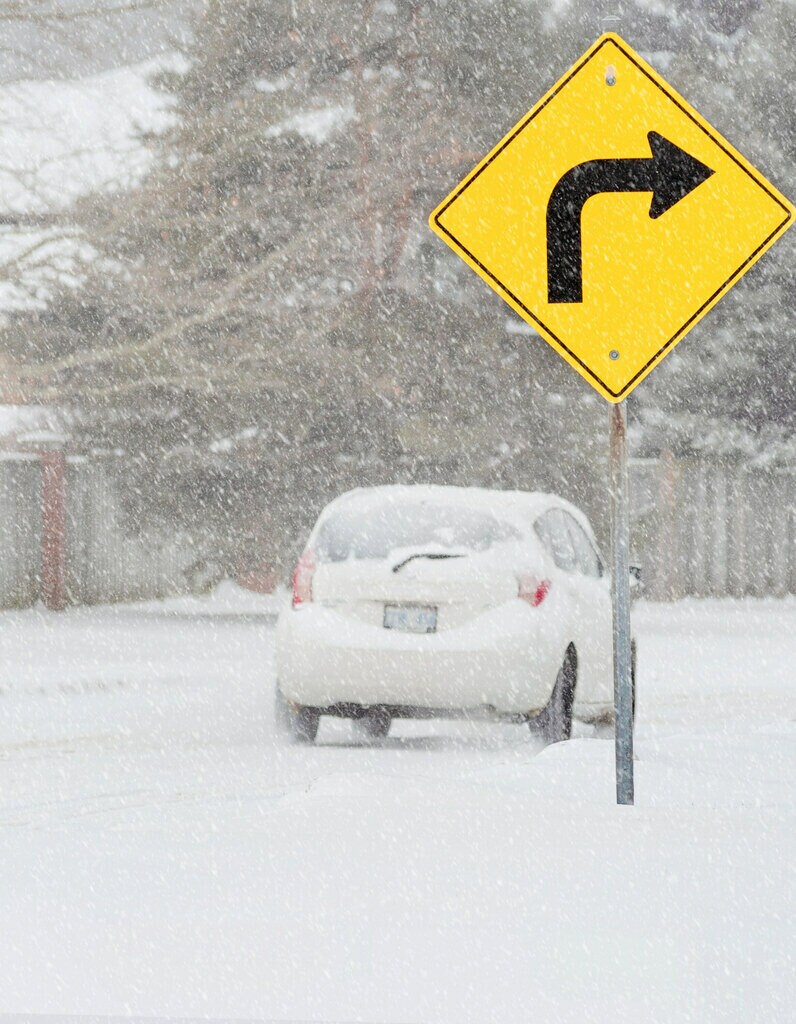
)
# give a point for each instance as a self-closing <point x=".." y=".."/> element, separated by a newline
<point x="457" y="584"/>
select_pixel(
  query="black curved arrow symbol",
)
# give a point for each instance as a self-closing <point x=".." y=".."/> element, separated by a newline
<point x="670" y="174"/>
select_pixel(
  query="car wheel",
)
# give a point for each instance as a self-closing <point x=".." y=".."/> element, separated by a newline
<point x="295" y="722"/>
<point x="373" y="725"/>
<point x="554" y="722"/>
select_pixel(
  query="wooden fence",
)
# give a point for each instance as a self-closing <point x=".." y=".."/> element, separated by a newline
<point x="714" y="528"/>
<point x="699" y="527"/>
<point x="108" y="561"/>
<point x="105" y="560"/>
<point x="20" y="530"/>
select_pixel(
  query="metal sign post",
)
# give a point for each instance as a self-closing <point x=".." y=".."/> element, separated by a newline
<point x="620" y="599"/>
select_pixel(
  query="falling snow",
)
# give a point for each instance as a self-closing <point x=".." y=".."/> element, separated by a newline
<point x="221" y="307"/>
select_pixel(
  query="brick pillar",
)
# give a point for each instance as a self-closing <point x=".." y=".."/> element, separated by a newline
<point x="53" y="531"/>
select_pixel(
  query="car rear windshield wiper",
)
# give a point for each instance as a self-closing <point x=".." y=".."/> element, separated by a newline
<point x="425" y="554"/>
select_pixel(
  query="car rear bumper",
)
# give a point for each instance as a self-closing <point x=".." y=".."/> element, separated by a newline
<point x="505" y="661"/>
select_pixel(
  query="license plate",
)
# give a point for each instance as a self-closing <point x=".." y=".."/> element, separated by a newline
<point x="410" y="618"/>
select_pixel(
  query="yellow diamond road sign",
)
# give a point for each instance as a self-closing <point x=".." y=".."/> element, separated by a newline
<point x="612" y="217"/>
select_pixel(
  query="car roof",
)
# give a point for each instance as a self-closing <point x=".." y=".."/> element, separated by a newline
<point x="512" y="504"/>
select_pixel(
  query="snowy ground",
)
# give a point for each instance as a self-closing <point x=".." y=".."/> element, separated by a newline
<point x="162" y="855"/>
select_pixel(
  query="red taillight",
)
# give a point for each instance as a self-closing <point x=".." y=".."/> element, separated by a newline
<point x="302" y="579"/>
<point x="532" y="590"/>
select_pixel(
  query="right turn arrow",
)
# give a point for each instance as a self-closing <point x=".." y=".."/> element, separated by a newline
<point x="670" y="174"/>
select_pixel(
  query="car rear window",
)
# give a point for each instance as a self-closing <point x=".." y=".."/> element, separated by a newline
<point x="375" y="532"/>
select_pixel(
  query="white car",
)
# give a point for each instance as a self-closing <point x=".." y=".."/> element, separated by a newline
<point x="421" y="602"/>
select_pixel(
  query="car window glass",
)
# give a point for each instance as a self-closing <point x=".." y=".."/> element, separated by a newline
<point x="587" y="560"/>
<point x="552" y="531"/>
<point x="376" y="531"/>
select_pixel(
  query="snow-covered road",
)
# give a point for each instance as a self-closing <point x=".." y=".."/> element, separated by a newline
<point x="162" y="855"/>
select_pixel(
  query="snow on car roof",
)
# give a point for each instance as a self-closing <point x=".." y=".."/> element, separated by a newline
<point x="511" y="504"/>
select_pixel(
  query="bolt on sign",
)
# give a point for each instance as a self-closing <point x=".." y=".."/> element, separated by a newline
<point x="612" y="217"/>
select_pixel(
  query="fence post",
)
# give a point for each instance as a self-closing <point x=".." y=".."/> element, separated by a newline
<point x="53" y="533"/>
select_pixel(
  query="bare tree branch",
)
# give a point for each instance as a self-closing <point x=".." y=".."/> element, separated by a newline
<point x="22" y="11"/>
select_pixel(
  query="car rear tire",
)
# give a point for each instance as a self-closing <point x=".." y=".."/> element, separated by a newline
<point x="373" y="725"/>
<point x="295" y="722"/>
<point x="554" y="722"/>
